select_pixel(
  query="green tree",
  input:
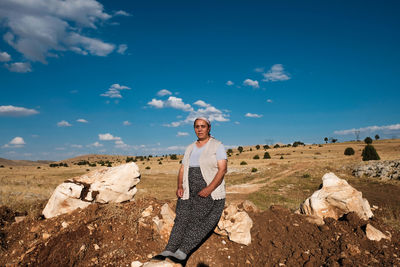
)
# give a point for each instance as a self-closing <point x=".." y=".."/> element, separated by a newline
<point x="349" y="151"/>
<point x="369" y="153"/>
<point x="257" y="147"/>
<point x="276" y="146"/>
<point x="243" y="163"/>
<point x="173" y="157"/>
<point x="230" y="151"/>
<point x="256" y="157"/>
<point x="266" y="146"/>
<point x="377" y="137"/>
<point x="326" y="140"/>
<point x="368" y="140"/>
<point x="266" y="155"/>
<point x="240" y="148"/>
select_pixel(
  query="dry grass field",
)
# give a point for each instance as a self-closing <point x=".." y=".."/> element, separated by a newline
<point x="288" y="178"/>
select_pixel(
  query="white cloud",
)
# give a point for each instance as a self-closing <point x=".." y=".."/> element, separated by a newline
<point x="13" y="111"/>
<point x="95" y="144"/>
<point x="63" y="123"/>
<point x="82" y="120"/>
<point x="182" y="134"/>
<point x="177" y="103"/>
<point x="229" y="83"/>
<point x="237" y="123"/>
<point x="126" y="123"/>
<point x="253" y="115"/>
<point x="163" y="92"/>
<point x="76" y="146"/>
<point x="122" y="13"/>
<point x="269" y="100"/>
<point x="393" y="127"/>
<point x="115" y="91"/>
<point x="250" y="82"/>
<point x="156" y="103"/>
<point x="259" y="69"/>
<point x="276" y="73"/>
<point x="4" y="57"/>
<point x="122" y="49"/>
<point x="21" y="67"/>
<point x="176" y="148"/>
<point x="201" y="103"/>
<point x="108" y="137"/>
<point x="121" y="144"/>
<point x="44" y="28"/>
<point x="16" y="142"/>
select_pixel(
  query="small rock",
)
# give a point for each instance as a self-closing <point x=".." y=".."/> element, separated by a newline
<point x="83" y="247"/>
<point x="136" y="264"/>
<point x="374" y="234"/>
<point x="147" y="212"/>
<point x="64" y="224"/>
<point x="46" y="236"/>
<point x="149" y="256"/>
<point x="96" y="247"/>
<point x="19" y="218"/>
<point x="224" y="242"/>
<point x="296" y="224"/>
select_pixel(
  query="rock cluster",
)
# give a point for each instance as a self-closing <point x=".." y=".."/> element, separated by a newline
<point x="115" y="184"/>
<point x="389" y="169"/>
<point x="334" y="199"/>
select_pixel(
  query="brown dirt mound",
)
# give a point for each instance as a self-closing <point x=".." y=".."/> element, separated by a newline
<point x="113" y="235"/>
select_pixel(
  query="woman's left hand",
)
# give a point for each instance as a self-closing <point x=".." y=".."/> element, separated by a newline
<point x="205" y="192"/>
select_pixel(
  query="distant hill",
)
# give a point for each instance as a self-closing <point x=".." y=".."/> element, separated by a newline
<point x="9" y="162"/>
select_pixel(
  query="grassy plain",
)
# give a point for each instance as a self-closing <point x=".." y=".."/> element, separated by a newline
<point x="288" y="178"/>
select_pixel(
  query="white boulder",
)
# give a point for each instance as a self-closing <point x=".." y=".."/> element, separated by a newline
<point x="236" y="224"/>
<point x="115" y="184"/>
<point x="334" y="199"/>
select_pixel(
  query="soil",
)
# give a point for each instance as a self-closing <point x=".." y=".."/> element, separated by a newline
<point x="115" y="235"/>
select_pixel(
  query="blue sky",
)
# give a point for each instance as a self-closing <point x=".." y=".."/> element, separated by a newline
<point x="123" y="77"/>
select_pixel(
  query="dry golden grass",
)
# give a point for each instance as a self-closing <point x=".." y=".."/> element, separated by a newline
<point x="286" y="181"/>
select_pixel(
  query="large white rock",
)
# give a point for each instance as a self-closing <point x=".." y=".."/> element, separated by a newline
<point x="236" y="224"/>
<point x="115" y="184"/>
<point x="336" y="198"/>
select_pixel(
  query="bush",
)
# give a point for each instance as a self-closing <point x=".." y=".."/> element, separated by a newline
<point x="240" y="148"/>
<point x="349" y="151"/>
<point x="230" y="151"/>
<point x="281" y="157"/>
<point x="266" y="155"/>
<point x="368" y="140"/>
<point x="254" y="170"/>
<point x="173" y="157"/>
<point x="369" y="153"/>
<point x="129" y="159"/>
<point x="1" y="166"/>
<point x="306" y="175"/>
<point x="266" y="146"/>
<point x="109" y="164"/>
<point x="377" y="137"/>
<point x="256" y="157"/>
<point x="147" y="168"/>
<point x="160" y="163"/>
<point x="326" y="140"/>
<point x="297" y="143"/>
<point x="276" y="146"/>
<point x="243" y="163"/>
<point x="38" y="167"/>
<point x="257" y="147"/>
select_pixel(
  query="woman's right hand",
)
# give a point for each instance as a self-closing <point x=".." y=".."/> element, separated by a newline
<point x="179" y="192"/>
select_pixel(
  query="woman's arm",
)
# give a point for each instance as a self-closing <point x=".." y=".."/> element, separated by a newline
<point x="179" y="191"/>
<point x="222" y="168"/>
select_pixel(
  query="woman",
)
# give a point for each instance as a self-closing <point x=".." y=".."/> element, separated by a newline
<point x="201" y="193"/>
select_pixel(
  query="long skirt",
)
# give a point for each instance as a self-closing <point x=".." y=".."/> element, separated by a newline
<point x="196" y="217"/>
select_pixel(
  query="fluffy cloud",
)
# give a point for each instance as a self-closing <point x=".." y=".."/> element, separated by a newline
<point x="108" y="137"/>
<point x="82" y="120"/>
<point x="4" y="57"/>
<point x="122" y="49"/>
<point x="63" y="123"/>
<point x="179" y="134"/>
<point x="163" y="92"/>
<point x="156" y="103"/>
<point x="95" y="144"/>
<point x="201" y="103"/>
<point x="250" y="82"/>
<point x="259" y="69"/>
<point x="42" y="28"/>
<point x="115" y="91"/>
<point x="16" y="142"/>
<point x="275" y="74"/>
<point x="393" y="127"/>
<point x="126" y="123"/>
<point x="229" y="83"/>
<point x="253" y="115"/>
<point x="13" y="111"/>
<point x="21" y="67"/>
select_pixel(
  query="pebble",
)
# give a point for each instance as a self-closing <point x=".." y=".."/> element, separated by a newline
<point x="46" y="236"/>
<point x="136" y="264"/>
<point x="224" y="242"/>
<point x="64" y="224"/>
<point x="96" y="247"/>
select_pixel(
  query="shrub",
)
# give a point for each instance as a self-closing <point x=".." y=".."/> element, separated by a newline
<point x="251" y="149"/>
<point x="230" y="151"/>
<point x="129" y="159"/>
<point x="256" y="157"/>
<point x="276" y="146"/>
<point x="36" y="168"/>
<point x="369" y="153"/>
<point x="266" y="155"/>
<point x="243" y="163"/>
<point x="109" y="164"/>
<point x="349" y="151"/>
<point x="306" y="175"/>
<point x="173" y="157"/>
<point x="281" y="157"/>
<point x="1" y="166"/>
<point x="254" y="170"/>
<point x="266" y="146"/>
<point x="297" y="143"/>
<point x="377" y="137"/>
<point x="240" y="148"/>
<point x="147" y="168"/>
<point x="257" y="147"/>
<point x="159" y="162"/>
<point x="368" y="140"/>
<point x="326" y="140"/>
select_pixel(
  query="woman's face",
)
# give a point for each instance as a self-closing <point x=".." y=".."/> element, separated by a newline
<point x="201" y="129"/>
